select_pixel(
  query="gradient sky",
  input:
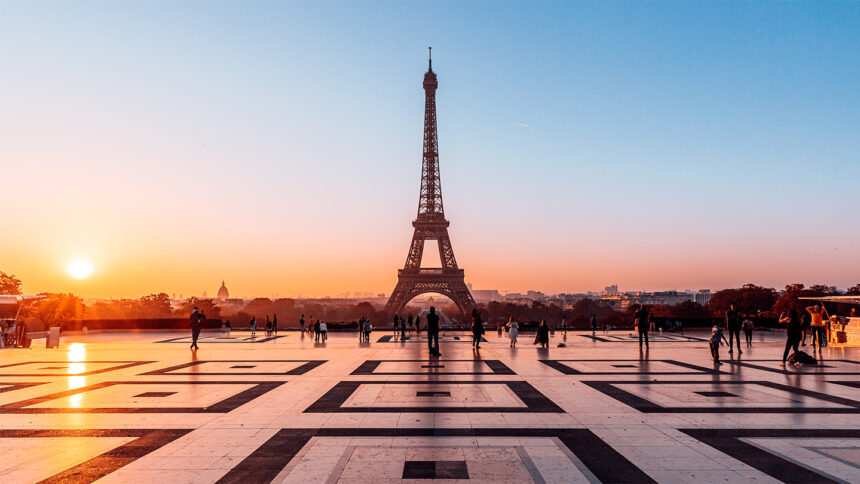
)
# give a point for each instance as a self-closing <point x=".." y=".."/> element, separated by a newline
<point x="277" y="145"/>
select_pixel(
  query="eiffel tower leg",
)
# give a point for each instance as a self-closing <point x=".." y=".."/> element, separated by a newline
<point x="398" y="298"/>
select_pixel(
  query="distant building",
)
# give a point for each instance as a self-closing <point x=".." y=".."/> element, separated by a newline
<point x="662" y="298"/>
<point x="486" y="295"/>
<point x="703" y="296"/>
<point x="223" y="293"/>
<point x="611" y="290"/>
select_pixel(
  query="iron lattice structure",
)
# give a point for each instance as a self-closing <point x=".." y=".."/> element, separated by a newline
<point x="430" y="224"/>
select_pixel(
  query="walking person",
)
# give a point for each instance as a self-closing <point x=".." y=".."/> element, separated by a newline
<point x="513" y="331"/>
<point x="641" y="319"/>
<point x="817" y="314"/>
<point x="593" y="324"/>
<point x="433" y="332"/>
<point x="793" y="333"/>
<point x="275" y="324"/>
<point x="402" y="329"/>
<point x="733" y="323"/>
<point x="302" y="323"/>
<point x="748" y="328"/>
<point x="409" y="323"/>
<point x="317" y="331"/>
<point x="323" y="331"/>
<point x="396" y="320"/>
<point x="253" y="327"/>
<point x="197" y="319"/>
<point x="268" y="326"/>
<point x="367" y="329"/>
<point x="477" y="328"/>
<point x="715" y="341"/>
<point x="542" y="336"/>
<point x="417" y="325"/>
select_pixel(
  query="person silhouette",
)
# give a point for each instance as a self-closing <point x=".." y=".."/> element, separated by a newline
<point x="197" y="319"/>
<point x="433" y="332"/>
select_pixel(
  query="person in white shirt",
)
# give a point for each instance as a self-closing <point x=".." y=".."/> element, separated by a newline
<point x="513" y="331"/>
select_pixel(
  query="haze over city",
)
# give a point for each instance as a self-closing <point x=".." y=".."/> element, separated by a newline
<point x="656" y="146"/>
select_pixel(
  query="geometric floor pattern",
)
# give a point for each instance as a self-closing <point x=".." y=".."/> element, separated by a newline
<point x="129" y="408"/>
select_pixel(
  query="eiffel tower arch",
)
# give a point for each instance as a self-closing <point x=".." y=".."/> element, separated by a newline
<point x="430" y="225"/>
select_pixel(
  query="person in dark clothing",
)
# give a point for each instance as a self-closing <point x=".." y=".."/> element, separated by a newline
<point x="641" y="319"/>
<point x="418" y="325"/>
<point x="733" y="323"/>
<point x="477" y="328"/>
<point x="410" y="322"/>
<point x="593" y="325"/>
<point x="793" y="333"/>
<point x="542" y="336"/>
<point x="433" y="332"/>
<point x="302" y="323"/>
<point x="275" y="323"/>
<point x="805" y="326"/>
<point x="317" y="331"/>
<point x="197" y="319"/>
<point x="396" y="321"/>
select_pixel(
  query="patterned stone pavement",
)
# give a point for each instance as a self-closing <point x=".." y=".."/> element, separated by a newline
<point x="144" y="408"/>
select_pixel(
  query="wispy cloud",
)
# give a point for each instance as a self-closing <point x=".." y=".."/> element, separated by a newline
<point x="524" y="125"/>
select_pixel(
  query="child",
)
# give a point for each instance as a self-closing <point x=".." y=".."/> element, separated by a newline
<point x="716" y="336"/>
<point x="748" y="330"/>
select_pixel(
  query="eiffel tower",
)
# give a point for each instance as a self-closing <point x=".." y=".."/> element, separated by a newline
<point x="430" y="224"/>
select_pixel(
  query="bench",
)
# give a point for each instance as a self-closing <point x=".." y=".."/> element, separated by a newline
<point x="52" y="336"/>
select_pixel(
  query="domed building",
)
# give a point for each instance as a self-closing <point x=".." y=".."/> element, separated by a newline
<point x="223" y="293"/>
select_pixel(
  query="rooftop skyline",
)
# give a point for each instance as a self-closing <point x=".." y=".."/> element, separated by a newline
<point x="278" y="145"/>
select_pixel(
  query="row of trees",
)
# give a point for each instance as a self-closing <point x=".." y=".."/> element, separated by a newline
<point x="750" y="299"/>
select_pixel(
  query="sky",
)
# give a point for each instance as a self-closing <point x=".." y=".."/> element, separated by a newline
<point x="277" y="145"/>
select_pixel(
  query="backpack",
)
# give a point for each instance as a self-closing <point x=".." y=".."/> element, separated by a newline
<point x="802" y="358"/>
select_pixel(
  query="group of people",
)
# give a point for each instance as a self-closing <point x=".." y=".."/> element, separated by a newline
<point x="814" y="321"/>
<point x="364" y="329"/>
<point x="405" y="326"/>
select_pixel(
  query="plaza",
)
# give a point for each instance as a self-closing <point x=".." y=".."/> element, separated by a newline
<point x="142" y="407"/>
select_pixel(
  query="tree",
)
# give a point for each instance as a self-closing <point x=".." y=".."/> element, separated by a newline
<point x="205" y="306"/>
<point x="259" y="307"/>
<point x="853" y="290"/>
<point x="56" y="308"/>
<point x="9" y="284"/>
<point x="793" y="292"/>
<point x="155" y="306"/>
<point x="686" y="309"/>
<point x="747" y="299"/>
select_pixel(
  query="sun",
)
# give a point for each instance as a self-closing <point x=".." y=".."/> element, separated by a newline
<point x="80" y="269"/>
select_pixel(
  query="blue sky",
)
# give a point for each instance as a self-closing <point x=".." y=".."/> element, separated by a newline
<point x="656" y="145"/>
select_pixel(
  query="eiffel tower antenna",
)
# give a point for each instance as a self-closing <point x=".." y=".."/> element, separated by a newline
<point x="430" y="224"/>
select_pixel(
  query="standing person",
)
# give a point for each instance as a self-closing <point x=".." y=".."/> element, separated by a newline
<point x="793" y="333"/>
<point x="402" y="329"/>
<point x="433" y="332"/>
<point x="640" y="317"/>
<point x="197" y="319"/>
<point x="564" y="324"/>
<point x="417" y="325"/>
<point x="513" y="331"/>
<point x="409" y="323"/>
<point x="477" y="328"/>
<point x="367" y="329"/>
<point x="317" y="331"/>
<point x="302" y="323"/>
<point x="542" y="336"/>
<point x="748" y="327"/>
<point x="733" y="323"/>
<point x="817" y="314"/>
<point x="593" y="324"/>
<point x="323" y="331"/>
<point x="396" y="320"/>
<point x="268" y="326"/>
<point x="716" y="336"/>
<point x="275" y="323"/>
<point x="253" y="327"/>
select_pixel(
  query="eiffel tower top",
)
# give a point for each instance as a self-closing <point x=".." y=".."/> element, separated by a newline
<point x="430" y="207"/>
